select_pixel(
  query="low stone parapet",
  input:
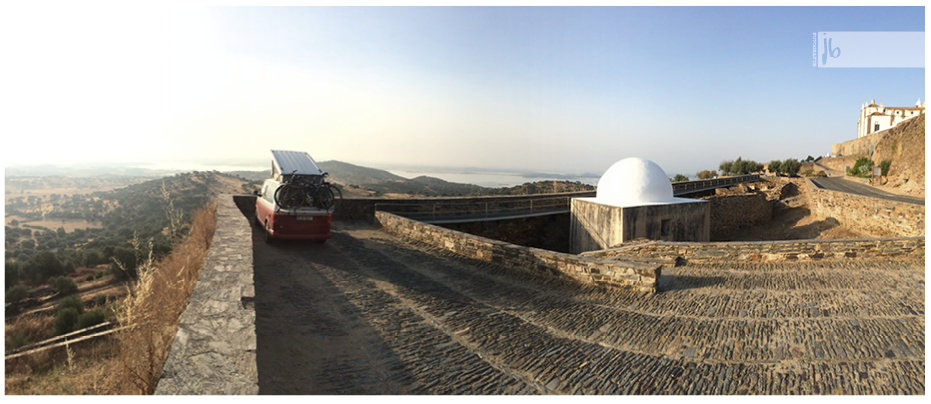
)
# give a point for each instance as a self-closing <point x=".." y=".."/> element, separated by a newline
<point x="588" y="270"/>
<point x="760" y="251"/>
<point x="214" y="351"/>
<point x="364" y="208"/>
<point x="877" y="217"/>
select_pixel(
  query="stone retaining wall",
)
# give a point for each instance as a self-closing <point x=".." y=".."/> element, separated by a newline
<point x="858" y="147"/>
<point x="214" y="350"/>
<point x="531" y="260"/>
<point x="364" y="208"/>
<point x="730" y="213"/>
<point x="878" y="217"/>
<point x="549" y="232"/>
<point x="789" y="250"/>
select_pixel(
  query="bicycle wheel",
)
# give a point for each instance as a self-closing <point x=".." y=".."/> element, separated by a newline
<point x="324" y="198"/>
<point x="289" y="196"/>
<point x="337" y="196"/>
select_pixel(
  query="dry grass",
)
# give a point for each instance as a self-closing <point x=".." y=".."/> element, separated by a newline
<point x="154" y="307"/>
<point x="93" y="368"/>
<point x="130" y="363"/>
<point x="27" y="329"/>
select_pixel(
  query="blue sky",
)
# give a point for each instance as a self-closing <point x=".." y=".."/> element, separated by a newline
<point x="556" y="89"/>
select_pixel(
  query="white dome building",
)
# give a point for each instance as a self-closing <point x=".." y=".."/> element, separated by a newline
<point x="634" y="182"/>
<point x="634" y="200"/>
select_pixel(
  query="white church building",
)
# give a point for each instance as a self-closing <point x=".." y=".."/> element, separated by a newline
<point x="874" y="118"/>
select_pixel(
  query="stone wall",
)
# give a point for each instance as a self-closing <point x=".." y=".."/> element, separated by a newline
<point x="756" y="251"/>
<point x="858" y="147"/>
<point x="531" y="260"/>
<point x="596" y="226"/>
<point x="364" y="208"/>
<point x="214" y="350"/>
<point x="878" y="217"/>
<point x="550" y="232"/>
<point x="734" y="212"/>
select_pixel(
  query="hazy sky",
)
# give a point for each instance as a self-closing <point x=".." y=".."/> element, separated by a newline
<point x="547" y="89"/>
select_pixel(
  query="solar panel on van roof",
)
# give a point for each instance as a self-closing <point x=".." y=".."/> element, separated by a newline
<point x="289" y="161"/>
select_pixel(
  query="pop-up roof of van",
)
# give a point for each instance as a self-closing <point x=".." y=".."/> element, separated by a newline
<point x="284" y="162"/>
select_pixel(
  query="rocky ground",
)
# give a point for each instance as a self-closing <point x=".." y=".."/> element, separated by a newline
<point x="791" y="219"/>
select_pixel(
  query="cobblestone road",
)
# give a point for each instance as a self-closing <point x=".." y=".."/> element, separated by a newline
<point x="368" y="313"/>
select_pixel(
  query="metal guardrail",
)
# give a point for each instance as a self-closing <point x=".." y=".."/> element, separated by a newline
<point x="494" y="208"/>
<point x="710" y="184"/>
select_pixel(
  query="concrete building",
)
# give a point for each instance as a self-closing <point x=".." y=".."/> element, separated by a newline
<point x="874" y="118"/>
<point x="634" y="200"/>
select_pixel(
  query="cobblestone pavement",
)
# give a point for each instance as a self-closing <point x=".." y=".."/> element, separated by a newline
<point x="368" y="313"/>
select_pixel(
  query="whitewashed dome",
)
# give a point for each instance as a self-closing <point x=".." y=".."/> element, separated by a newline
<point x="634" y="181"/>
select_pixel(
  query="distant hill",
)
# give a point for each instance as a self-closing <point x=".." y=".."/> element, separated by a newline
<point x="359" y="181"/>
<point x="188" y="191"/>
<point x="251" y="175"/>
<point x="345" y="173"/>
<point x="83" y="171"/>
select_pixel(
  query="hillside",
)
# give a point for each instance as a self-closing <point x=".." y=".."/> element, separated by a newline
<point x="904" y="145"/>
<point x="345" y="173"/>
<point x="188" y="191"/>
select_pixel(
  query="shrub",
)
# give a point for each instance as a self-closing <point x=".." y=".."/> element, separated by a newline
<point x="884" y="166"/>
<point x="90" y="318"/>
<point x="70" y="302"/>
<point x="100" y="300"/>
<point x="862" y="168"/>
<point x="15" y="339"/>
<point x="89" y="278"/>
<point x="16" y="293"/>
<point x="63" y="285"/>
<point x="679" y="178"/>
<point x="790" y="166"/>
<point x="65" y="321"/>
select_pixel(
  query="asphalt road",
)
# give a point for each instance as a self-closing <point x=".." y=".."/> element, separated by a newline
<point x="850" y="187"/>
<point x="369" y="313"/>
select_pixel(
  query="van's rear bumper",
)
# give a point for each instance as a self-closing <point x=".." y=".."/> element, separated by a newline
<point x="291" y="236"/>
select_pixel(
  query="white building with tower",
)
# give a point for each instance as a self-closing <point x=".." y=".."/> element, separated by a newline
<point x="875" y="118"/>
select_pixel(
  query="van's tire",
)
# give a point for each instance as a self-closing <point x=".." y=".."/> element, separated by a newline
<point x="268" y="236"/>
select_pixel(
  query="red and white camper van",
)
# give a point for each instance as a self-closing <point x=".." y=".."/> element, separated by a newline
<point x="295" y="221"/>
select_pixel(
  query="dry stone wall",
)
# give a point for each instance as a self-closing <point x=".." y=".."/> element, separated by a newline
<point x="878" y="217"/>
<point x="549" y="232"/>
<point x="364" y="208"/>
<point x="773" y="251"/>
<point x="214" y="351"/>
<point x="734" y="212"/>
<point x="587" y="270"/>
<point x="858" y="147"/>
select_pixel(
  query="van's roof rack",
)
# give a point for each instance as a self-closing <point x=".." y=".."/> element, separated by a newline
<point x="284" y="162"/>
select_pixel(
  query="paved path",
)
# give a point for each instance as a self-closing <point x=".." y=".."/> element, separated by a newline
<point x="850" y="187"/>
<point x="368" y="313"/>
